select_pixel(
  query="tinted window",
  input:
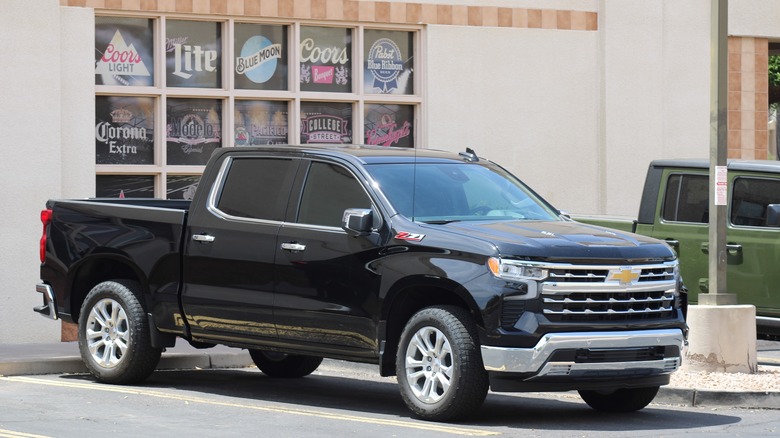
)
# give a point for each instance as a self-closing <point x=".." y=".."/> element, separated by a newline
<point x="750" y="201"/>
<point x="253" y="188"/>
<point x="330" y="190"/>
<point x="687" y="199"/>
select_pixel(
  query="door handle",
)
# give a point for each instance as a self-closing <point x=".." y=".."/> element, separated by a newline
<point x="203" y="238"/>
<point x="730" y="247"/>
<point x="293" y="246"/>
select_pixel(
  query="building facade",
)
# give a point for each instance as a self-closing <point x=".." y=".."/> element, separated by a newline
<point x="129" y="97"/>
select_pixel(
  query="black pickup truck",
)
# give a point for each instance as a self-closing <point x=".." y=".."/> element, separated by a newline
<point x="443" y="269"/>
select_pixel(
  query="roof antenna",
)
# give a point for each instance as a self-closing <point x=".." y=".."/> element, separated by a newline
<point x="469" y="155"/>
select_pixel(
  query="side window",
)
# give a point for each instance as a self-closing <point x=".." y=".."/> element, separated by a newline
<point x="750" y="200"/>
<point x="252" y="188"/>
<point x="686" y="199"/>
<point x="329" y="190"/>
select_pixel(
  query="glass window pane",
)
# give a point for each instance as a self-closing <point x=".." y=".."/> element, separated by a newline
<point x="124" y="52"/>
<point x="124" y="130"/>
<point x="251" y="189"/>
<point x="124" y="186"/>
<point x="326" y="59"/>
<point x="182" y="186"/>
<point x="389" y="125"/>
<point x="194" y="130"/>
<point x="259" y="122"/>
<point x="326" y="122"/>
<point x="687" y="199"/>
<point x="193" y="54"/>
<point x="751" y="199"/>
<point x="330" y="190"/>
<point x="261" y="57"/>
<point x="388" y="62"/>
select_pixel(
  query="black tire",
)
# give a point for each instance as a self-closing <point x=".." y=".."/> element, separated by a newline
<point x="283" y="365"/>
<point x="114" y="338"/>
<point x="621" y="400"/>
<point x="440" y="345"/>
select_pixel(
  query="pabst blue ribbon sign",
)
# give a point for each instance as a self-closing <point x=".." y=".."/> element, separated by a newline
<point x="385" y="64"/>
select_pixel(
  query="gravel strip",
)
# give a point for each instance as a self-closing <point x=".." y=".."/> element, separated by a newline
<point x="766" y="379"/>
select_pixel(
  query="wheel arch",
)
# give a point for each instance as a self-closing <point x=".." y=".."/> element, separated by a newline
<point x="97" y="269"/>
<point x="409" y="296"/>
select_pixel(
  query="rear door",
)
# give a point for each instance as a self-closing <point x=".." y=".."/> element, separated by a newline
<point x="230" y="249"/>
<point x="326" y="290"/>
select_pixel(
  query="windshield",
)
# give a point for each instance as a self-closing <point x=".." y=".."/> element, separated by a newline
<point x="447" y="192"/>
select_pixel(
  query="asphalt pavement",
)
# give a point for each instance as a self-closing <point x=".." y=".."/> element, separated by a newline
<point x="64" y="358"/>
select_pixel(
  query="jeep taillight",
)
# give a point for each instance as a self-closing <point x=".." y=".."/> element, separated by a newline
<point x="46" y="220"/>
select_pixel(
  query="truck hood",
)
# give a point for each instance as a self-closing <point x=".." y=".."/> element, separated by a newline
<point x="563" y="240"/>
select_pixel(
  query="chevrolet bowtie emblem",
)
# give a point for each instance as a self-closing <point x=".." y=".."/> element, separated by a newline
<point x="624" y="276"/>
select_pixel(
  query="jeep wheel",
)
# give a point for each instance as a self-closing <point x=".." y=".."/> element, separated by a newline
<point x="439" y="365"/>
<point x="283" y="365"/>
<point x="114" y="336"/>
<point x="621" y="400"/>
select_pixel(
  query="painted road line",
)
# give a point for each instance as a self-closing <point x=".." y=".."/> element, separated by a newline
<point x="13" y="434"/>
<point x="433" y="427"/>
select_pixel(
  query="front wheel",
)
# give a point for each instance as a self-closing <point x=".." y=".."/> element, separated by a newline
<point x="620" y="400"/>
<point x="283" y="365"/>
<point x="114" y="339"/>
<point x="440" y="371"/>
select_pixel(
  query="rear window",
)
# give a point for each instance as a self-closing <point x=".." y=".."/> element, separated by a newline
<point x="253" y="188"/>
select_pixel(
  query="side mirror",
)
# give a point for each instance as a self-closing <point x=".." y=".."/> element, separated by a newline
<point x="773" y="215"/>
<point x="358" y="221"/>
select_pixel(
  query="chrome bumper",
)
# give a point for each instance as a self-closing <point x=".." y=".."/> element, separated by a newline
<point x="49" y="307"/>
<point x="536" y="360"/>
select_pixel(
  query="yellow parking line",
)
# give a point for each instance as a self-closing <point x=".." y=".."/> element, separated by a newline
<point x="277" y="409"/>
<point x="12" y="434"/>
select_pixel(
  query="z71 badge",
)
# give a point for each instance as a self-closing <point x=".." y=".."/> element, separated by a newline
<point x="404" y="235"/>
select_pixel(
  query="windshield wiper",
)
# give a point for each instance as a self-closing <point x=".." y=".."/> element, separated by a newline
<point x="441" y="221"/>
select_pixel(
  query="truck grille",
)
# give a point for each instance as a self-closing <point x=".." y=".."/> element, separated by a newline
<point x="603" y="293"/>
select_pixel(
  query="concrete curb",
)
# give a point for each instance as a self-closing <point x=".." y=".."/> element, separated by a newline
<point x="707" y="398"/>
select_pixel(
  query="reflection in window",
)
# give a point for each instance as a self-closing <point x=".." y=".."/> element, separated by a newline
<point x="259" y="122"/>
<point x="326" y="59"/>
<point x="687" y="199"/>
<point x="251" y="189"/>
<point x="323" y="122"/>
<point x="755" y="201"/>
<point x="124" y="53"/>
<point x="261" y="56"/>
<point x="193" y="54"/>
<point x="330" y="190"/>
<point x="124" y="130"/>
<point x="124" y="186"/>
<point x="182" y="186"/>
<point x="194" y="130"/>
<point x="388" y="62"/>
<point x="389" y="125"/>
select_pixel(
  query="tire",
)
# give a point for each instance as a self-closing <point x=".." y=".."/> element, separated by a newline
<point x="621" y="400"/>
<point x="114" y="338"/>
<point x="439" y="365"/>
<point x="283" y="365"/>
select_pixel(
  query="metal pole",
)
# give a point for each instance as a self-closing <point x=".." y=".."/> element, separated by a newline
<point x="718" y="153"/>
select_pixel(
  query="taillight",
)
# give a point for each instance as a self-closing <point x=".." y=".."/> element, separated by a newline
<point x="46" y="220"/>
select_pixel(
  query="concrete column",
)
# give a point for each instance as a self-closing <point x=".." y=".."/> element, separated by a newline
<point x="722" y="339"/>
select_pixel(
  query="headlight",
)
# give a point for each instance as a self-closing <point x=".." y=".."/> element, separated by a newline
<point x="516" y="270"/>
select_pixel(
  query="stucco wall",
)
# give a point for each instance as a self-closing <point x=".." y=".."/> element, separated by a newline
<point x="37" y="100"/>
<point x="756" y="18"/>
<point x="526" y="98"/>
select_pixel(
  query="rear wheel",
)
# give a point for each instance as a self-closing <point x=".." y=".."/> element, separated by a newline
<point x="114" y="339"/>
<point x="284" y="365"/>
<point x="439" y="365"/>
<point x="620" y="400"/>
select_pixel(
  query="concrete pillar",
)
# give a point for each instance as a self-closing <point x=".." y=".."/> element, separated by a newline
<point x="722" y="339"/>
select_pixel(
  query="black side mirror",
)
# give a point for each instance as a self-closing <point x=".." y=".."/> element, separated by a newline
<point x="773" y="215"/>
<point x="358" y="221"/>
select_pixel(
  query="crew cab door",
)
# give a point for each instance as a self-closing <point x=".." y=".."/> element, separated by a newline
<point x="230" y="249"/>
<point x="326" y="288"/>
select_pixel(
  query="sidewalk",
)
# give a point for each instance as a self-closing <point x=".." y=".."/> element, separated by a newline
<point x="63" y="358"/>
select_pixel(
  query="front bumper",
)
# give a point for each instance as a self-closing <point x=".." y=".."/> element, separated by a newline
<point x="49" y="307"/>
<point x="590" y="355"/>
